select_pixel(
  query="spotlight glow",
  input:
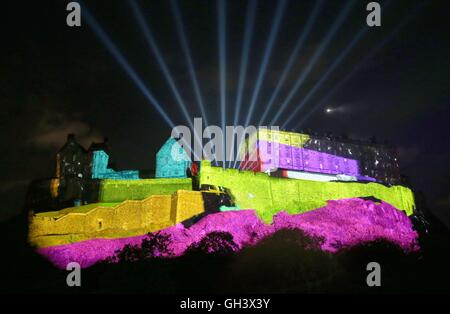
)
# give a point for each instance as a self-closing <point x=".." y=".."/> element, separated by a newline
<point x="355" y="69"/>
<point x="221" y="12"/>
<point x="315" y="58"/>
<point x="161" y="62"/>
<point x="362" y="32"/>
<point x="266" y="57"/>
<point x="281" y="6"/>
<point x="111" y="47"/>
<point x="249" y="24"/>
<point x="293" y="57"/>
<point x="118" y="56"/>
<point x="160" y="59"/>
<point x="324" y="77"/>
<point x="187" y="54"/>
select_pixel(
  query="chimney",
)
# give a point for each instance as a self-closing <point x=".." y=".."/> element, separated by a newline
<point x="70" y="137"/>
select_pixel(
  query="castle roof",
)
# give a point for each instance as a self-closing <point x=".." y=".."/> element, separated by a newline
<point x="72" y="145"/>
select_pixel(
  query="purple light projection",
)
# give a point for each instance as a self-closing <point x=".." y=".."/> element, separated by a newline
<point x="302" y="159"/>
<point x="342" y="224"/>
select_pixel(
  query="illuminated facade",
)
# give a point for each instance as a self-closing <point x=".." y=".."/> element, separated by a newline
<point x="100" y="168"/>
<point x="119" y="205"/>
<point x="169" y="167"/>
<point x="269" y="150"/>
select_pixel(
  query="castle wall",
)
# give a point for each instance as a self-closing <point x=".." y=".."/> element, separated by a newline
<point x="131" y="217"/>
<point x="186" y="204"/>
<point x="100" y="168"/>
<point x="268" y="195"/>
<point x="120" y="190"/>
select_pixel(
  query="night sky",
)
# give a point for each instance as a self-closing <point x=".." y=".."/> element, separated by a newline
<point x="57" y="80"/>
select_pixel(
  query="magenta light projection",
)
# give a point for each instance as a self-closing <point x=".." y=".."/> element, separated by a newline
<point x="342" y="224"/>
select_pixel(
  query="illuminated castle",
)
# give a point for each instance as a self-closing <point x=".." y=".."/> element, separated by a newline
<point x="305" y="156"/>
<point x="91" y="200"/>
<point x="167" y="166"/>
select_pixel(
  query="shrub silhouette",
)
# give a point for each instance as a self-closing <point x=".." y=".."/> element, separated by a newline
<point x="287" y="261"/>
<point x="216" y="242"/>
<point x="155" y="245"/>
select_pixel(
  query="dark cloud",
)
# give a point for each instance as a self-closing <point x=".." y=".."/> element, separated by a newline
<point x="52" y="129"/>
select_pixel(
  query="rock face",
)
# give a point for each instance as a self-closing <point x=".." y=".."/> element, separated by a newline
<point x="341" y="224"/>
<point x="346" y="223"/>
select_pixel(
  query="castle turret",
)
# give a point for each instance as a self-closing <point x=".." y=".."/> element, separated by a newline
<point x="72" y="161"/>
